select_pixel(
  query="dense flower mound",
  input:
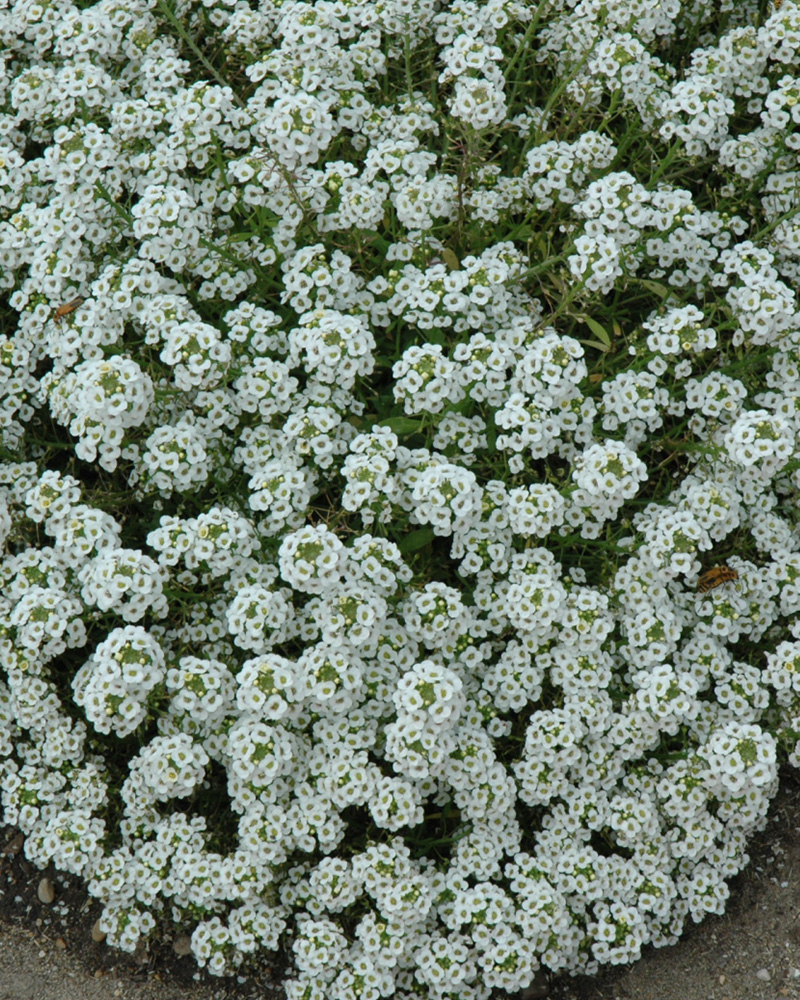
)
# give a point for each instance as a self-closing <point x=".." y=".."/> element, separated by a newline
<point x="377" y="380"/>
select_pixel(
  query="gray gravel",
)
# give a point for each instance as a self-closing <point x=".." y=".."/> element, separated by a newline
<point x="33" y="967"/>
<point x="751" y="953"/>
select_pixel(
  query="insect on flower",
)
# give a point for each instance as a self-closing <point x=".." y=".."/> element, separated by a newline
<point x="715" y="577"/>
<point x="66" y="309"/>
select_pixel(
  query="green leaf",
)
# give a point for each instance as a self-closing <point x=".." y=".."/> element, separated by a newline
<point x="491" y="435"/>
<point x="451" y="260"/>
<point x="416" y="540"/>
<point x="598" y="330"/>
<point x="231" y="238"/>
<point x="655" y="286"/>
<point x="596" y="343"/>
<point x="402" y="426"/>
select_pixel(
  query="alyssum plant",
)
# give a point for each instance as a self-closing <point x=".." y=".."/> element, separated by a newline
<point x="376" y="382"/>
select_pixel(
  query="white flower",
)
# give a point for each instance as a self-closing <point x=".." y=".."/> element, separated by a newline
<point x="310" y="559"/>
<point x="372" y="442"/>
<point x="760" y="439"/>
<point x="114" y="684"/>
<point x="610" y="470"/>
<point x="433" y="690"/>
<point x="127" y="581"/>
<point x="167" y="767"/>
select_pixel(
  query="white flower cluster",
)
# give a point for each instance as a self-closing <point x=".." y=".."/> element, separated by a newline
<point x="114" y="684"/>
<point x="99" y="400"/>
<point x="398" y="489"/>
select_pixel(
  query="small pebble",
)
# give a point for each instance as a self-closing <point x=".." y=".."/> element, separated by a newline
<point x="97" y="934"/>
<point x="61" y="944"/>
<point x="46" y="891"/>
<point x="540" y="987"/>
<point x="14" y="846"/>
<point x="182" y="945"/>
<point x="763" y="975"/>
<point x="722" y="979"/>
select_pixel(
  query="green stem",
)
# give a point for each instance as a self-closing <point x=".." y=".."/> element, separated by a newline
<point x="766" y="230"/>
<point x="407" y="66"/>
<point x="555" y="97"/>
<point x="106" y="195"/>
<point x="664" y="162"/>
<point x="545" y="265"/>
<point x="523" y="47"/>
<point x="190" y="43"/>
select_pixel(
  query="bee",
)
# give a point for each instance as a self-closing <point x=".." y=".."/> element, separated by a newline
<point x="777" y="4"/>
<point x="66" y="309"/>
<point x="715" y="577"/>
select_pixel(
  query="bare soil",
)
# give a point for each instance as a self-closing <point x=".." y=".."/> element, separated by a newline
<point x="751" y="953"/>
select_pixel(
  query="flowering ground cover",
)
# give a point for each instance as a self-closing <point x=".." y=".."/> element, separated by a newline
<point x="399" y="414"/>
